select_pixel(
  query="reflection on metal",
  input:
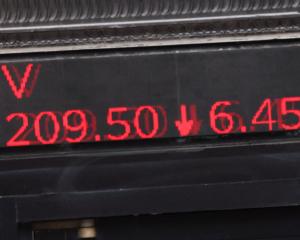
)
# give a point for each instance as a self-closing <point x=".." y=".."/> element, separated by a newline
<point x="87" y="230"/>
<point x="87" y="233"/>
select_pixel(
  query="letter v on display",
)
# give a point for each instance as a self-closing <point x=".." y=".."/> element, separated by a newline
<point x="21" y="85"/>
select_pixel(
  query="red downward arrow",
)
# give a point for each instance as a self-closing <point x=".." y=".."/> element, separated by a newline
<point x="184" y="126"/>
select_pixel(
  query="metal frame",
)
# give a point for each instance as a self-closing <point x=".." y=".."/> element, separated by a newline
<point x="46" y="25"/>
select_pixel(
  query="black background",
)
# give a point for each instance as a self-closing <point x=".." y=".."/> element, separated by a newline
<point x="164" y="176"/>
<point x="193" y="75"/>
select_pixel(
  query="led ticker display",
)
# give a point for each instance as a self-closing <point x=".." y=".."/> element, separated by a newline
<point x="118" y="96"/>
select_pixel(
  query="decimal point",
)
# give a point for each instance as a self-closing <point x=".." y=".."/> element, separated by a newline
<point x="243" y="129"/>
<point x="97" y="138"/>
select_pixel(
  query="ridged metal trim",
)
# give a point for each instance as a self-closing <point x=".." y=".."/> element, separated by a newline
<point x="155" y="35"/>
<point x="35" y="12"/>
<point x="89" y="24"/>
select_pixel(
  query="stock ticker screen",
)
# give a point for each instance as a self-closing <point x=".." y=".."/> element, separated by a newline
<point x="99" y="96"/>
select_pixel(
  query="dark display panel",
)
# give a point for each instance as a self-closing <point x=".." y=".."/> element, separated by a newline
<point x="144" y="94"/>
